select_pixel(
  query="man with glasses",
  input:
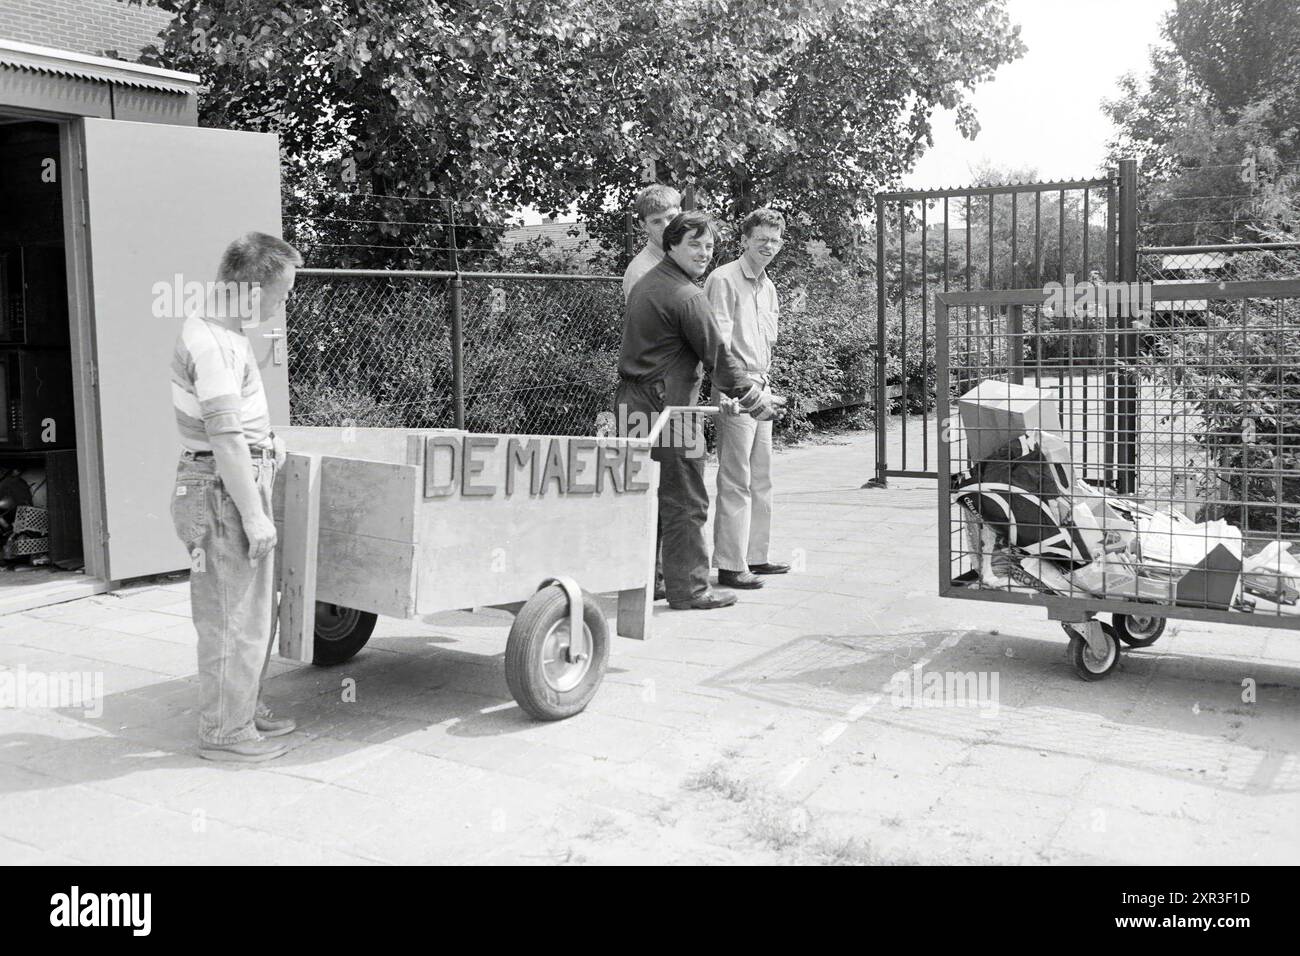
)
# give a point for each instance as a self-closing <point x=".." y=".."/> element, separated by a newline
<point x="745" y="308"/>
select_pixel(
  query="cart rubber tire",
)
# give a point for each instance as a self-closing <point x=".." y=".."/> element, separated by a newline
<point x="339" y="633"/>
<point x="1138" y="630"/>
<point x="1087" y="666"/>
<point x="541" y="629"/>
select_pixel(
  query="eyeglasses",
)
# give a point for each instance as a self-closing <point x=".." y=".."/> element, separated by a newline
<point x="768" y="242"/>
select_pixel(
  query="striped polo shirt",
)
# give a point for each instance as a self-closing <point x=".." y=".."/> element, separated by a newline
<point x="216" y="386"/>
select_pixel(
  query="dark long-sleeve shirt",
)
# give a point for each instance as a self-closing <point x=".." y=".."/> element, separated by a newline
<point x="670" y="334"/>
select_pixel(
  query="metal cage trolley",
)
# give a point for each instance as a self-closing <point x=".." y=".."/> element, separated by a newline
<point x="1131" y="450"/>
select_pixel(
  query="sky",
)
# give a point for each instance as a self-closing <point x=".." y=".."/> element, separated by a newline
<point x="1044" y="110"/>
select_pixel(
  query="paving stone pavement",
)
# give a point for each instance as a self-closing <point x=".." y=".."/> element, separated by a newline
<point x="759" y="733"/>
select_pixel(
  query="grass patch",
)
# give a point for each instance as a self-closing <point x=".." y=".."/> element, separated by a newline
<point x="778" y="827"/>
<point x="846" y="851"/>
<point x="716" y="779"/>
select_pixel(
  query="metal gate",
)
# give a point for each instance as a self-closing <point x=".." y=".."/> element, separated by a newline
<point x="970" y="239"/>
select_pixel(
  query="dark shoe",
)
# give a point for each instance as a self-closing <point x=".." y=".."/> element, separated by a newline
<point x="739" y="579"/>
<point x="660" y="594"/>
<point x="269" y="725"/>
<point x="245" y="751"/>
<point x="707" y="601"/>
<point x="769" y="568"/>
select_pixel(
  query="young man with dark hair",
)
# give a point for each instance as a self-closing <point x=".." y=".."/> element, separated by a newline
<point x="656" y="205"/>
<point x="221" y="507"/>
<point x="669" y="335"/>
<point x="745" y="307"/>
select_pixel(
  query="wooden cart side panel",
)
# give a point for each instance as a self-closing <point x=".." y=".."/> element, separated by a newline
<point x="490" y="547"/>
<point x="369" y="574"/>
<point x="365" y="553"/>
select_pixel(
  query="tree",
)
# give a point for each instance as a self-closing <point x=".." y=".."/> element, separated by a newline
<point x="1216" y="124"/>
<point x="398" y="117"/>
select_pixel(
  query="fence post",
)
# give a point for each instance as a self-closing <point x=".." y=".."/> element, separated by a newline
<point x="457" y="352"/>
<point x="1126" y="478"/>
<point x="457" y="336"/>
<point x="627" y="236"/>
<point x="882" y="407"/>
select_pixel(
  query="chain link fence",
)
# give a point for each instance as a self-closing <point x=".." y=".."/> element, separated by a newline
<point x="1225" y="262"/>
<point x="530" y="354"/>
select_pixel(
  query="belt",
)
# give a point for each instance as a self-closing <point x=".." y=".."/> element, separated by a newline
<point x="264" y="453"/>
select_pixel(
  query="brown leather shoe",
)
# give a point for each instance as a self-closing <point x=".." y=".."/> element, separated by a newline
<point x="739" y="579"/>
<point x="714" y="597"/>
<point x="767" y="568"/>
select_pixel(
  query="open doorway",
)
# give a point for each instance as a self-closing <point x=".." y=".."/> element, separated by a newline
<point x="41" y="540"/>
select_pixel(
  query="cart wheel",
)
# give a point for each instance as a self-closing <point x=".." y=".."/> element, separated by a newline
<point x="340" y="633"/>
<point x="1137" y="630"/>
<point x="1087" y="664"/>
<point x="546" y="684"/>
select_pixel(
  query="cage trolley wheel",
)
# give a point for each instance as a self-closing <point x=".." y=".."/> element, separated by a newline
<point x="339" y="633"/>
<point x="1093" y="662"/>
<point x="1138" y="630"/>
<point x="547" y="676"/>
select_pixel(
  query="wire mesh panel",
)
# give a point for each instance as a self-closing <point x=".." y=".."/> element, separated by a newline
<point x="539" y="354"/>
<point x="1219" y="263"/>
<point x="1138" y="452"/>
<point x="370" y="351"/>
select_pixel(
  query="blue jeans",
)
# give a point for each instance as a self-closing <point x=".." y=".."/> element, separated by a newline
<point x="232" y="598"/>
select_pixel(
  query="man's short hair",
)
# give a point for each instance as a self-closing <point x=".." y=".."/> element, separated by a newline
<point x="656" y="198"/>
<point x="762" y="217"/>
<point x="256" y="257"/>
<point x="692" y="221"/>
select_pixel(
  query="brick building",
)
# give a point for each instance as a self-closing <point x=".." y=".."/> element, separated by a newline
<point x="93" y="27"/>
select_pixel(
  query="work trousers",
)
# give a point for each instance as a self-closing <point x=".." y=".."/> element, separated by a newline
<point x="683" y="495"/>
<point x="742" y="523"/>
<point x="232" y="599"/>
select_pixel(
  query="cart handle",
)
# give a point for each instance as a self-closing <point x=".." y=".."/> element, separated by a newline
<point x="671" y="410"/>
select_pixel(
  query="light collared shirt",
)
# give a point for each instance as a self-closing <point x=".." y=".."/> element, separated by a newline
<point x="643" y="262"/>
<point x="745" y="308"/>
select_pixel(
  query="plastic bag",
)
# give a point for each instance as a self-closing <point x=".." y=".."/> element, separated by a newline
<point x="1274" y="574"/>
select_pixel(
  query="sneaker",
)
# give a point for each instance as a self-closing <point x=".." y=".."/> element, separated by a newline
<point x="269" y="725"/>
<point x="739" y="579"/>
<point x="244" y="751"/>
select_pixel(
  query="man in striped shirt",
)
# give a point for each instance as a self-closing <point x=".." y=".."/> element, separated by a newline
<point x="221" y="507"/>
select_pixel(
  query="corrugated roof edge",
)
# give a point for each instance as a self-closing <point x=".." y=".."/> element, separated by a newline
<point x="41" y="59"/>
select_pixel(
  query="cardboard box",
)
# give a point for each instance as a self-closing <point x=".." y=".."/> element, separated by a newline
<point x="1212" y="582"/>
<point x="993" y="413"/>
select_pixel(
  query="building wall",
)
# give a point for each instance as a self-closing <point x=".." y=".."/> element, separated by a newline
<point x="94" y="27"/>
